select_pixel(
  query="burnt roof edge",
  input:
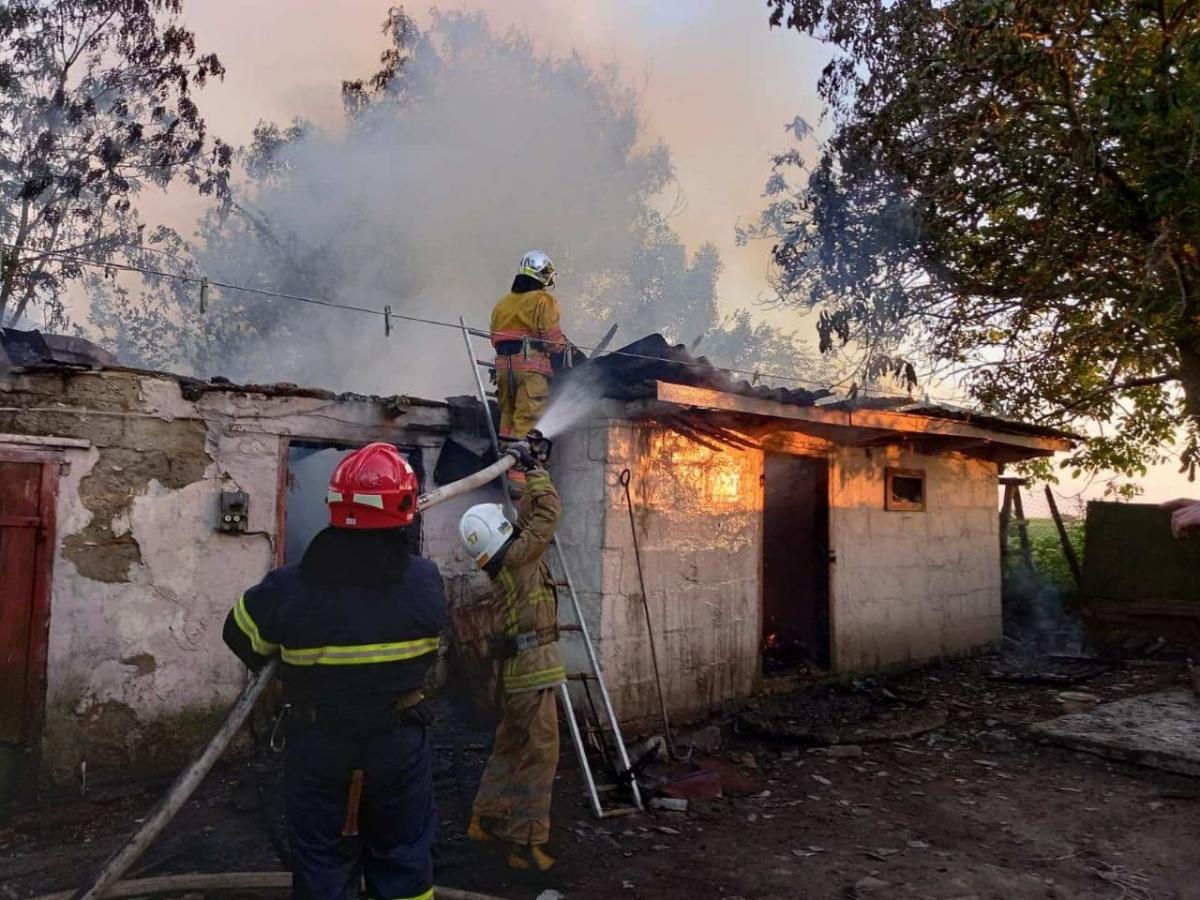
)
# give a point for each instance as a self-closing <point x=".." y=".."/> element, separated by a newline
<point x="194" y="388"/>
<point x="1034" y="438"/>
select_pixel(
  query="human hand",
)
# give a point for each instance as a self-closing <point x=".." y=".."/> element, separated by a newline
<point x="523" y="455"/>
<point x="1185" y="516"/>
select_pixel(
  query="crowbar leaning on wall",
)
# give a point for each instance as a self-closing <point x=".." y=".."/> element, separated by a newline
<point x="637" y="555"/>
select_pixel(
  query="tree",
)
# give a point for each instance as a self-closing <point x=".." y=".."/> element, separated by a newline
<point x="95" y="105"/>
<point x="1012" y="187"/>
<point x="465" y="149"/>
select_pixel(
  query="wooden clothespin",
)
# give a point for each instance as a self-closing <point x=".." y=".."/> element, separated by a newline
<point x="204" y="295"/>
<point x="387" y="321"/>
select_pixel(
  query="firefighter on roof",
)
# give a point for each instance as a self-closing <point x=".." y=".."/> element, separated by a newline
<point x="513" y="804"/>
<point x="357" y="624"/>
<point x="530" y="347"/>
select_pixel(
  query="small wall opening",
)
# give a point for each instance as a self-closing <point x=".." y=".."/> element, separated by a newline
<point x="795" y="583"/>
<point x="310" y="465"/>
<point x="905" y="490"/>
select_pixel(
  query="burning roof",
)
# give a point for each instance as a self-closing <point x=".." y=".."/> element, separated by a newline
<point x="634" y="371"/>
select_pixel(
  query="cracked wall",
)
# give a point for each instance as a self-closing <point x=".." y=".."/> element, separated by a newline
<point x="138" y="674"/>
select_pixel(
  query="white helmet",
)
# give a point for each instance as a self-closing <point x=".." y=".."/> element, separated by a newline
<point x="536" y="264"/>
<point x="483" y="530"/>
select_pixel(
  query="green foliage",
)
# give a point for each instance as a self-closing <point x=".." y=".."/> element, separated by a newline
<point x="1010" y="193"/>
<point x="95" y="105"/>
<point x="1049" y="560"/>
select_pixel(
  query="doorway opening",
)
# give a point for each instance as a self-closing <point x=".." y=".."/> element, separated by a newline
<point x="309" y="467"/>
<point x="795" y="588"/>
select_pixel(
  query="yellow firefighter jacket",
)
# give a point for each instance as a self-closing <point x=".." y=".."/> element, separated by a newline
<point x="523" y="590"/>
<point x="526" y="329"/>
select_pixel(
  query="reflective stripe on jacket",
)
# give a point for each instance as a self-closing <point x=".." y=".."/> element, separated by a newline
<point x="523" y="590"/>
<point x="342" y="642"/>
<point x="532" y="319"/>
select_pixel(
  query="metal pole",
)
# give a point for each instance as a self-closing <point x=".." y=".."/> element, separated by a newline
<point x="637" y="555"/>
<point x="1068" y="548"/>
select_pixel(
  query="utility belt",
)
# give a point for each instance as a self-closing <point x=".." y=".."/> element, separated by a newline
<point x="407" y="709"/>
<point x="510" y="645"/>
<point x="517" y="348"/>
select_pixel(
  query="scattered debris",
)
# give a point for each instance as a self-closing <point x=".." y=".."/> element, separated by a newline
<point x="705" y="740"/>
<point x="1077" y="701"/>
<point x="881" y="853"/>
<point x="551" y="894"/>
<point x="844" y="751"/>
<point x="1055" y="669"/>
<point x="670" y="804"/>
<point x="902" y="725"/>
<point x="871" y="883"/>
<point x="703" y="784"/>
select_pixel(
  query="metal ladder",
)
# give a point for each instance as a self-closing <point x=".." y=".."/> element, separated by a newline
<point x="581" y="628"/>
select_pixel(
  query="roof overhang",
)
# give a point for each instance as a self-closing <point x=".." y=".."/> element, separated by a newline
<point x="860" y="427"/>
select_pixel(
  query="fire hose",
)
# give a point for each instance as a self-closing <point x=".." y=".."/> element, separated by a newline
<point x="225" y="881"/>
<point x="187" y="782"/>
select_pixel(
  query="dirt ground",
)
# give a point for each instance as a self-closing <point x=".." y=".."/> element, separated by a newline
<point x="970" y="809"/>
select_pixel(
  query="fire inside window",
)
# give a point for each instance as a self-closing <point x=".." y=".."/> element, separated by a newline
<point x="905" y="490"/>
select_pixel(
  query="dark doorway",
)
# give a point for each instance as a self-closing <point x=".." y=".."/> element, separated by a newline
<point x="795" y="564"/>
<point x="310" y="464"/>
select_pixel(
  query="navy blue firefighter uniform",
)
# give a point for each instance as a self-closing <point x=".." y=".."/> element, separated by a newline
<point x="357" y="625"/>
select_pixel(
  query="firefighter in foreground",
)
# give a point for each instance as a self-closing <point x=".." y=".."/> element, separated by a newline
<point x="513" y="804"/>
<point x="357" y="624"/>
<point x="530" y="347"/>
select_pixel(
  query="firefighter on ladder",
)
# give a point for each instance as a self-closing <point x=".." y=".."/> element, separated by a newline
<point x="357" y="624"/>
<point x="530" y="347"/>
<point x="513" y="803"/>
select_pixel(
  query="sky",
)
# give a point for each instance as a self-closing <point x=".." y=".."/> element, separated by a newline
<point x="718" y="87"/>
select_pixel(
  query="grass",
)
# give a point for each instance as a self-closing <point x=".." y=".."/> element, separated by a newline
<point x="1049" y="560"/>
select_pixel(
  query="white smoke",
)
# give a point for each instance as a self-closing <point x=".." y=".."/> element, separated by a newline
<point x="429" y="207"/>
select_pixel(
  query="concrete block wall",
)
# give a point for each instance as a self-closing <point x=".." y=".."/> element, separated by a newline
<point x="698" y="519"/>
<point x="912" y="586"/>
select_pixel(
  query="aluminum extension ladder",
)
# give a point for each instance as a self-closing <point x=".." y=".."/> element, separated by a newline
<point x="595" y="675"/>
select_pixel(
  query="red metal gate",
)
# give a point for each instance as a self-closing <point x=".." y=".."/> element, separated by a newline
<point x="28" y="484"/>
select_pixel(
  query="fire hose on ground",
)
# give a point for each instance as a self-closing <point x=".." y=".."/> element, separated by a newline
<point x="187" y="782"/>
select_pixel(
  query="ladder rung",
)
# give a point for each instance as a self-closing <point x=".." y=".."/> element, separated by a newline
<point x="620" y="811"/>
<point x="485" y="364"/>
<point x="581" y="676"/>
<point x="562" y="584"/>
<point x="569" y="628"/>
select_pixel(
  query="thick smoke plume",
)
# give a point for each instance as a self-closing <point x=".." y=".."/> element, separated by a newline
<point x="471" y="152"/>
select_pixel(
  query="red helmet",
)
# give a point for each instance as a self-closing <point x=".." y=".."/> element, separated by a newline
<point x="374" y="487"/>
